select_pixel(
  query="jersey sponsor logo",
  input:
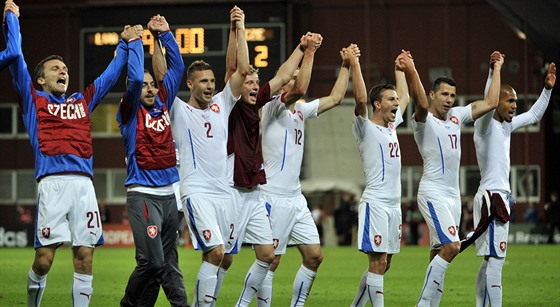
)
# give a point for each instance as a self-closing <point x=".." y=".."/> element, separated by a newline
<point x="46" y="232"/>
<point x="377" y="239"/>
<point x="452" y="230"/>
<point x="152" y="231"/>
<point x="157" y="124"/>
<point x="300" y="115"/>
<point x="67" y="111"/>
<point x="215" y="108"/>
<point x="207" y="234"/>
<point x="454" y="120"/>
<point x="503" y="246"/>
<point x="275" y="243"/>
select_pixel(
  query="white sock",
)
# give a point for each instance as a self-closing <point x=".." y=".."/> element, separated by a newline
<point x="253" y="281"/>
<point x="361" y="298"/>
<point x="375" y="289"/>
<point x="494" y="280"/>
<point x="82" y="289"/>
<point x="481" y="294"/>
<point x="35" y="288"/>
<point x="206" y="280"/>
<point x="436" y="298"/>
<point x="433" y="280"/>
<point x="264" y="295"/>
<point x="302" y="286"/>
<point x="219" y="281"/>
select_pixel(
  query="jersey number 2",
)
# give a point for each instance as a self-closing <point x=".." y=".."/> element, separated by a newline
<point x="208" y="127"/>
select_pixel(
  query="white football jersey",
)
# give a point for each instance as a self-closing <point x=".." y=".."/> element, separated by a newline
<point x="201" y="137"/>
<point x="381" y="158"/>
<point x="282" y="143"/>
<point x="439" y="143"/>
<point x="492" y="143"/>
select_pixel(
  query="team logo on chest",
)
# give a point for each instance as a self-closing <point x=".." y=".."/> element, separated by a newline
<point x="300" y="115"/>
<point x="377" y="239"/>
<point x="46" y="232"/>
<point x="207" y="234"/>
<point x="454" y="120"/>
<point x="215" y="108"/>
<point x="152" y="231"/>
<point x="452" y="230"/>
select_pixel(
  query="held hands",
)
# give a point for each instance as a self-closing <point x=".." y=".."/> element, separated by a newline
<point x="405" y="62"/>
<point x="132" y="32"/>
<point x="550" y="78"/>
<point x="158" y="24"/>
<point x="237" y="18"/>
<point x="310" y="41"/>
<point x="350" y="55"/>
<point x="11" y="6"/>
<point x="399" y="61"/>
<point x="496" y="56"/>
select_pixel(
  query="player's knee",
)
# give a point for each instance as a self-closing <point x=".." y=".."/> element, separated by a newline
<point x="214" y="256"/>
<point x="314" y="260"/>
<point x="449" y="251"/>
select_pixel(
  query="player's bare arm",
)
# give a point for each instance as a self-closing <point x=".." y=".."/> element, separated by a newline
<point x="242" y="69"/>
<point x="301" y="83"/>
<point x="417" y="92"/>
<point x="156" y="25"/>
<point x="341" y="84"/>
<point x="400" y="80"/>
<point x="287" y="69"/>
<point x="490" y="102"/>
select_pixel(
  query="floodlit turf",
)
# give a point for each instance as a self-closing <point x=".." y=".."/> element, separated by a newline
<point x="531" y="277"/>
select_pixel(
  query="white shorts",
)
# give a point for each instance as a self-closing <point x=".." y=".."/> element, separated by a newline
<point x="493" y="242"/>
<point x="442" y="214"/>
<point x="67" y="211"/>
<point x="211" y="221"/>
<point x="252" y="222"/>
<point x="291" y="222"/>
<point x="379" y="228"/>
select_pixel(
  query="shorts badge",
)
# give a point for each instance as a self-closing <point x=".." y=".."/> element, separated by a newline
<point x="503" y="246"/>
<point x="207" y="234"/>
<point x="46" y="232"/>
<point x="377" y="239"/>
<point x="451" y="230"/>
<point x="275" y="243"/>
<point x="152" y="231"/>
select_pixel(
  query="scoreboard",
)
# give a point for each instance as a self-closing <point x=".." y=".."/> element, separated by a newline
<point x="208" y="42"/>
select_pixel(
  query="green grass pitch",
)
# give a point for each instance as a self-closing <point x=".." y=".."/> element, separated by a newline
<point x="531" y="277"/>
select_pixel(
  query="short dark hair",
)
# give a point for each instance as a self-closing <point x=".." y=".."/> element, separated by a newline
<point x="375" y="92"/>
<point x="40" y="68"/>
<point x="198" y="65"/>
<point x="441" y="80"/>
<point x="145" y="72"/>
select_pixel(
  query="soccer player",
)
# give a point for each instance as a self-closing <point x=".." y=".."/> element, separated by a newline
<point x="59" y="132"/>
<point x="151" y="167"/>
<point x="379" y="215"/>
<point x="283" y="138"/>
<point x="245" y="164"/>
<point x="11" y="32"/>
<point x="492" y="137"/>
<point x="437" y="132"/>
<point x="200" y="130"/>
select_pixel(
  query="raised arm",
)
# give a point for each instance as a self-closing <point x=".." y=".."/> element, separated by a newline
<point x="400" y="80"/>
<point x="484" y="121"/>
<point x="417" y="92"/>
<point x="537" y="110"/>
<point x="159" y="64"/>
<point x="341" y="84"/>
<point x="129" y="105"/>
<point x="358" y="86"/>
<point x="490" y="101"/>
<point x="288" y="68"/>
<point x="304" y="76"/>
<point x="231" y="53"/>
<point x="242" y="59"/>
<point x="11" y="33"/>
<point x="175" y="66"/>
